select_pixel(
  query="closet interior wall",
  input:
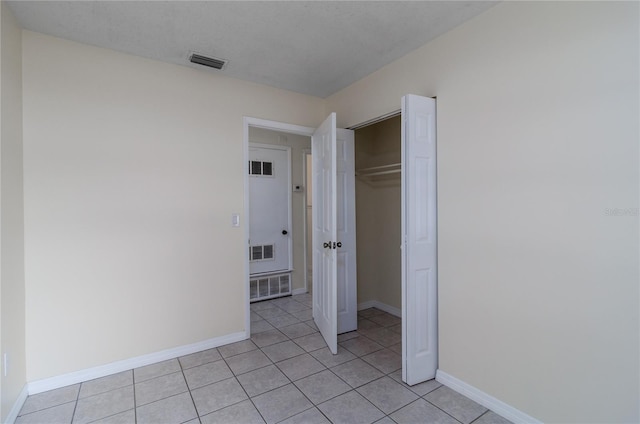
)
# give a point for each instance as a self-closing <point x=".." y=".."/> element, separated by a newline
<point x="378" y="207"/>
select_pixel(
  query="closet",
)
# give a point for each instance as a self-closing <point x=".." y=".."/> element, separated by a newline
<point x="378" y="208"/>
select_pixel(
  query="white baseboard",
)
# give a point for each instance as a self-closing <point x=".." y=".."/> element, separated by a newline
<point x="17" y="406"/>
<point x="43" y="385"/>
<point x="499" y="407"/>
<point x="298" y="291"/>
<point x="382" y="306"/>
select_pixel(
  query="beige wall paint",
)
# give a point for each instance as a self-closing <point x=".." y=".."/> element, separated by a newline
<point x="12" y="286"/>
<point x="298" y="144"/>
<point x="537" y="138"/>
<point x="378" y="214"/>
<point x="133" y="169"/>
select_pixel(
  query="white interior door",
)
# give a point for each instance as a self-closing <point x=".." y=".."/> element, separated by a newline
<point x="419" y="240"/>
<point x="269" y="210"/>
<point x="346" y="232"/>
<point x="323" y="151"/>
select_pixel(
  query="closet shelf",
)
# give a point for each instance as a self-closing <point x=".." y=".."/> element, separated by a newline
<point x="393" y="168"/>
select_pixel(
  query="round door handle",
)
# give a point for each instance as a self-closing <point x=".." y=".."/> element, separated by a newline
<point x="285" y="232"/>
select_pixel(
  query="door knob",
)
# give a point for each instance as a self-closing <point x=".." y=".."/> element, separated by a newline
<point x="285" y="232"/>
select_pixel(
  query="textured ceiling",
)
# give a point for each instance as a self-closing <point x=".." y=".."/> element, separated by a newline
<point x="316" y="47"/>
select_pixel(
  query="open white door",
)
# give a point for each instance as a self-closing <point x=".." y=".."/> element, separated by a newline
<point x="419" y="242"/>
<point x="324" y="218"/>
<point x="334" y="231"/>
<point x="346" y="231"/>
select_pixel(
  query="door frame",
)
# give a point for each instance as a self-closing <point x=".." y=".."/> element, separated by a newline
<point x="289" y="202"/>
<point x="268" y="125"/>
<point x="305" y="170"/>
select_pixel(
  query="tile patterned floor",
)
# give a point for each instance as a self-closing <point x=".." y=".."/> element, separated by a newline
<point x="283" y="374"/>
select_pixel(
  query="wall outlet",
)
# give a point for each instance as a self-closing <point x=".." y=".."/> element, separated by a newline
<point x="5" y="364"/>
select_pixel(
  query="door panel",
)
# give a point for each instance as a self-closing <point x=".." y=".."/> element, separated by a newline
<point x="323" y="147"/>
<point x="269" y="172"/>
<point x="346" y="231"/>
<point x="419" y="250"/>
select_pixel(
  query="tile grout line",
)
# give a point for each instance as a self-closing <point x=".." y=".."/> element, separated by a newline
<point x="75" y="407"/>
<point x="186" y="383"/>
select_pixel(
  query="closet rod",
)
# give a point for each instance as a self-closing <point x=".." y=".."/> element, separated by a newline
<point x="379" y="170"/>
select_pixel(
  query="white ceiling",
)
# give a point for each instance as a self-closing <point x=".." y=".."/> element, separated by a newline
<point x="311" y="47"/>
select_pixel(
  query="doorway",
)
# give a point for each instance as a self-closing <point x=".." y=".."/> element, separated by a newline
<point x="418" y="230"/>
<point x="279" y="210"/>
<point x="378" y="215"/>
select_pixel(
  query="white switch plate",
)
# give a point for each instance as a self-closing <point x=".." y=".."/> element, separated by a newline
<point x="235" y="220"/>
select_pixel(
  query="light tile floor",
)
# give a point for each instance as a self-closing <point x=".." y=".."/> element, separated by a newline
<point x="284" y="373"/>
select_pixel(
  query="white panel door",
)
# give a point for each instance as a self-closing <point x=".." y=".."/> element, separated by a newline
<point x="346" y="223"/>
<point x="419" y="249"/>
<point x="269" y="209"/>
<point x="324" y="222"/>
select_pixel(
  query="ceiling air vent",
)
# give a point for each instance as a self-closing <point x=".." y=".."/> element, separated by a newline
<point x="207" y="61"/>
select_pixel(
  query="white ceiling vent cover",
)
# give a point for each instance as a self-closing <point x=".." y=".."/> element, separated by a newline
<point x="207" y="61"/>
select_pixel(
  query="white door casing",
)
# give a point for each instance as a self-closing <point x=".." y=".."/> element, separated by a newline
<point x="419" y="240"/>
<point x="269" y="209"/>
<point x="324" y="217"/>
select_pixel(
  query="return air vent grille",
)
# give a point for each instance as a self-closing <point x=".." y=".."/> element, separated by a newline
<point x="270" y="286"/>
<point x="207" y="61"/>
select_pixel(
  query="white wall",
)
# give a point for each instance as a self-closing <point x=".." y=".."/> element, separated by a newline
<point x="537" y="137"/>
<point x="132" y="171"/>
<point x="298" y="144"/>
<point x="12" y="286"/>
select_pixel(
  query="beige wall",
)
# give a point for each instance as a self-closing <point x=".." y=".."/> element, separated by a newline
<point x="12" y="286"/>
<point x="298" y="144"/>
<point x="133" y="169"/>
<point x="537" y="138"/>
<point x="378" y="214"/>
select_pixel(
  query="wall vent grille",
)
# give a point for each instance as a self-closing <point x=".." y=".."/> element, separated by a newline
<point x="257" y="167"/>
<point x="261" y="252"/>
<point x="211" y="62"/>
<point x="267" y="287"/>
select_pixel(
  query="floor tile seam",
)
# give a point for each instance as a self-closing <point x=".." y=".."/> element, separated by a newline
<point x="312" y="351"/>
<point x="310" y="375"/>
<point x="246" y="372"/>
<point x="433" y="404"/>
<point x="395" y="410"/>
<point x="230" y="405"/>
<point x="162" y="398"/>
<point x="269" y="316"/>
<point x="154" y="378"/>
<point x="328" y="399"/>
<point x="203" y="386"/>
<point x="374" y="366"/>
<point x="20" y="414"/>
<point x="106" y="391"/>
<point x="114" y="414"/>
<point x="250" y="399"/>
<point x="282" y="360"/>
<point x="366" y="337"/>
<point x="367" y="400"/>
<point x="430" y="391"/>
<point x="352" y="388"/>
<point x="193" y="402"/>
<point x="481" y="415"/>
<point x="75" y="407"/>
